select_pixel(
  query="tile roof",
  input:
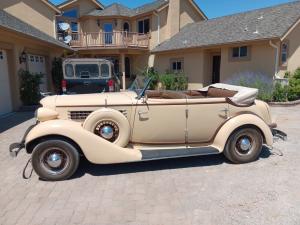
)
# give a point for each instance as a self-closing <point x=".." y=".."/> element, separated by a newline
<point x="266" y="23"/>
<point x="121" y="10"/>
<point x="10" y="22"/>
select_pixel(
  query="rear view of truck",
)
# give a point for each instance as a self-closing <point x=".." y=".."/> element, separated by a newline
<point x="83" y="76"/>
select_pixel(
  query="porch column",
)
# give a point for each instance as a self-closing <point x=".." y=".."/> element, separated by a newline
<point x="123" y="71"/>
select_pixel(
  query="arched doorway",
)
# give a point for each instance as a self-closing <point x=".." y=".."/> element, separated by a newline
<point x="126" y="27"/>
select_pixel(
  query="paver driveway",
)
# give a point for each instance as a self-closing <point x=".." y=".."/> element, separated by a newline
<point x="200" y="190"/>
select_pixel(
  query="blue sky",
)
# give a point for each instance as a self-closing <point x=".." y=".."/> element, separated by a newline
<point x="212" y="8"/>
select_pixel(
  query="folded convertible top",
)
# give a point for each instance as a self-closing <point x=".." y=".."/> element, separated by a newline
<point x="244" y="95"/>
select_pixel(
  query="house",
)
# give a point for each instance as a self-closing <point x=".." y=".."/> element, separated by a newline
<point x="124" y="35"/>
<point x="25" y="46"/>
<point x="264" y="41"/>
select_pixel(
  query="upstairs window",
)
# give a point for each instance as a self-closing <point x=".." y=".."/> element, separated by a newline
<point x="144" y="26"/>
<point x="177" y="65"/>
<point x="284" y="53"/>
<point x="240" y="52"/>
<point x="73" y="13"/>
<point x="74" y="27"/>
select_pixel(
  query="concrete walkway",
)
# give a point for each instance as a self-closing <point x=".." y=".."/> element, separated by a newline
<point x="192" y="191"/>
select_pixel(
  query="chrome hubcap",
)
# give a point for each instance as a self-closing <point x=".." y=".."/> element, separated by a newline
<point x="54" y="160"/>
<point x="107" y="132"/>
<point x="245" y="144"/>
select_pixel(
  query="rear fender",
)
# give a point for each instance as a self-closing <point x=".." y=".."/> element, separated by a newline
<point x="96" y="149"/>
<point x="241" y="121"/>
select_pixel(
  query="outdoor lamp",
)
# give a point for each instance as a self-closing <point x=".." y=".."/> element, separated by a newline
<point x="23" y="57"/>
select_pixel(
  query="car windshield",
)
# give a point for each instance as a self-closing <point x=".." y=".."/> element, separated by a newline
<point x="140" y="85"/>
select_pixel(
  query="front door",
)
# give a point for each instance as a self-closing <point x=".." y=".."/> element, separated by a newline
<point x="108" y="33"/>
<point x="216" y="69"/>
<point x="160" y="121"/>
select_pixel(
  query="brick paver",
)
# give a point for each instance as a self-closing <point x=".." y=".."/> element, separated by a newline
<point x="191" y="191"/>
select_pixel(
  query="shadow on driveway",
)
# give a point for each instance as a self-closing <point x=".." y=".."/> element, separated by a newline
<point x="14" y="119"/>
<point x="165" y="164"/>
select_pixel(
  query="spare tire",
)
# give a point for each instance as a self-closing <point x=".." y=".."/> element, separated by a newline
<point x="110" y="125"/>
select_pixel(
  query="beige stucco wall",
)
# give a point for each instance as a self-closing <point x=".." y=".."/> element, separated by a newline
<point x="83" y="6"/>
<point x="33" y="12"/>
<point x="194" y="67"/>
<point x="293" y="41"/>
<point x="262" y="61"/>
<point x="188" y="14"/>
<point x="15" y="44"/>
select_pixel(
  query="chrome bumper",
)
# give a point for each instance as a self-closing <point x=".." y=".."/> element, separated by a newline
<point x="278" y="134"/>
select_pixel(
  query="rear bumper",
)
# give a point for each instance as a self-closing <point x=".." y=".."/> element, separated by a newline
<point x="278" y="134"/>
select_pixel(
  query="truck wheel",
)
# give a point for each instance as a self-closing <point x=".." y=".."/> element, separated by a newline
<point x="55" y="160"/>
<point x="244" y="145"/>
<point x="110" y="125"/>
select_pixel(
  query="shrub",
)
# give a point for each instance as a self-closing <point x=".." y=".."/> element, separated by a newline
<point x="262" y="82"/>
<point x="30" y="87"/>
<point x="280" y="93"/>
<point x="294" y="89"/>
<point x="153" y="74"/>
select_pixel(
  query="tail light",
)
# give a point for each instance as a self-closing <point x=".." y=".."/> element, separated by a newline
<point x="111" y="85"/>
<point x="64" y="86"/>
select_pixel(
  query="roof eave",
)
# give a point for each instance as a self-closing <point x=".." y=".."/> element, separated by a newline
<point x="50" y="5"/>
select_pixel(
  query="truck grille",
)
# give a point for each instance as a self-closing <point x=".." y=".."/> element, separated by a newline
<point x="79" y="115"/>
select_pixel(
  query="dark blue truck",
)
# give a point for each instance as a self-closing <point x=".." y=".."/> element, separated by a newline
<point x="88" y="75"/>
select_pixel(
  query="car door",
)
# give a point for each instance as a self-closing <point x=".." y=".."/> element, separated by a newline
<point x="205" y="116"/>
<point x="160" y="121"/>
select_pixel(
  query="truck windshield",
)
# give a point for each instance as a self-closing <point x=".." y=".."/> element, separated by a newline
<point x="87" y="71"/>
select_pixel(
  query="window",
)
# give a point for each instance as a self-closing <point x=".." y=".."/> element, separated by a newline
<point x="240" y="52"/>
<point x="144" y="26"/>
<point x="69" y="70"/>
<point x="177" y="65"/>
<point x="284" y="53"/>
<point x="31" y="58"/>
<point x="74" y="27"/>
<point x="73" y="13"/>
<point x="87" y="70"/>
<point x="104" y="70"/>
<point x="37" y="59"/>
<point x="41" y="59"/>
<point x="1" y="55"/>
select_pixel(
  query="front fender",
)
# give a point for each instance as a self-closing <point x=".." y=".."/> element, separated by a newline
<point x="238" y="121"/>
<point x="96" y="149"/>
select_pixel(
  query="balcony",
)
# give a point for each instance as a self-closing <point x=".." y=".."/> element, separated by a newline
<point x="117" y="39"/>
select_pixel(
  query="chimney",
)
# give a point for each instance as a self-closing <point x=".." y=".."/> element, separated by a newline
<point x="174" y="17"/>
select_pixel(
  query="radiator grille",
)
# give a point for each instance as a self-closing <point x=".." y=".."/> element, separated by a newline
<point x="79" y="115"/>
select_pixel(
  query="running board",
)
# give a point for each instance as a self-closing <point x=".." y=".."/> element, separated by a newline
<point x="177" y="153"/>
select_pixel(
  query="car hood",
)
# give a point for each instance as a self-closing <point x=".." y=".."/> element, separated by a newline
<point x="86" y="100"/>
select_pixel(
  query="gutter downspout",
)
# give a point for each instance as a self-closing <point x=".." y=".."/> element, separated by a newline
<point x="158" y="27"/>
<point x="276" y="58"/>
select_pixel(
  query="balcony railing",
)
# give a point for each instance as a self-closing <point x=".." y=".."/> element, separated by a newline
<point x="119" y="39"/>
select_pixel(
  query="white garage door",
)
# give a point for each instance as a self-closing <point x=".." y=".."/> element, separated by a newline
<point x="5" y="95"/>
<point x="37" y="65"/>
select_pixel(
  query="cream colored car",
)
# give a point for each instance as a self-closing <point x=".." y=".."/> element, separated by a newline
<point x="140" y="125"/>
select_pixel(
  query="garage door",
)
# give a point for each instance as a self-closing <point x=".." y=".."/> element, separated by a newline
<point x="5" y="95"/>
<point x="37" y="65"/>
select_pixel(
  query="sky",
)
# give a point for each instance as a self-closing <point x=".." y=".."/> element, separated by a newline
<point x="212" y="8"/>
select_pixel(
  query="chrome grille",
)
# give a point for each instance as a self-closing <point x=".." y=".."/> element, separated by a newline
<point x="79" y="115"/>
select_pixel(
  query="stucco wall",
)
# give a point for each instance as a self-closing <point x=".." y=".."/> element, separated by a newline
<point x="293" y="40"/>
<point x="262" y="61"/>
<point x="15" y="44"/>
<point x="193" y="66"/>
<point x="33" y="12"/>
<point x="188" y="14"/>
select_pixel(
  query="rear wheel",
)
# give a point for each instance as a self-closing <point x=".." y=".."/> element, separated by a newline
<point x="55" y="160"/>
<point x="244" y="145"/>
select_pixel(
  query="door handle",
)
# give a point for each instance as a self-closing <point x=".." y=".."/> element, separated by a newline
<point x="226" y="111"/>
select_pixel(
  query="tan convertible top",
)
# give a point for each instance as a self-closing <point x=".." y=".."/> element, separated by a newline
<point x="244" y="95"/>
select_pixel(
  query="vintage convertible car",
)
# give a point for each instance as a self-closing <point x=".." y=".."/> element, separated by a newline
<point x="139" y="125"/>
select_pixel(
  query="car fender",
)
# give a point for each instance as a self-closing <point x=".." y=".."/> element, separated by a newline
<point x="236" y="122"/>
<point x="96" y="149"/>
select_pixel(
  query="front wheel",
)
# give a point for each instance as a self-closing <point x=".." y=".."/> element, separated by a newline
<point x="244" y="145"/>
<point x="55" y="160"/>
